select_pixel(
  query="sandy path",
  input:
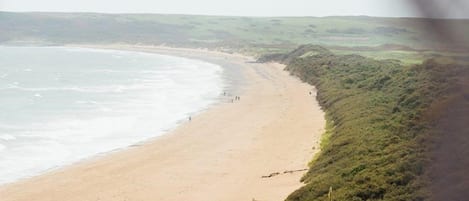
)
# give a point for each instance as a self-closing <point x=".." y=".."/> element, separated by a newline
<point x="220" y="155"/>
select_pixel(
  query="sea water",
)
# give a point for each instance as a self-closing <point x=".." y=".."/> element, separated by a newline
<point x="59" y="105"/>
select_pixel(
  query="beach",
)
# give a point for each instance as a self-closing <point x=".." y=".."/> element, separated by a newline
<point x="255" y="148"/>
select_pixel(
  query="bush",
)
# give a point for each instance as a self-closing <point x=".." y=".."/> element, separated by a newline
<point x="374" y="151"/>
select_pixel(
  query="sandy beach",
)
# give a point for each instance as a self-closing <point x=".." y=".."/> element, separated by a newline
<point x="230" y="152"/>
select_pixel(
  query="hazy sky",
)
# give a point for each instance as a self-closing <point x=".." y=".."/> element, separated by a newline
<point x="391" y="8"/>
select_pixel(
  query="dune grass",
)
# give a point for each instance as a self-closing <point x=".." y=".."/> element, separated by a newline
<point x="377" y="149"/>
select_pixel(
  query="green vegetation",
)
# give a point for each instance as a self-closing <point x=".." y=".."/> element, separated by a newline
<point x="245" y="34"/>
<point x="377" y="149"/>
<point x="326" y="136"/>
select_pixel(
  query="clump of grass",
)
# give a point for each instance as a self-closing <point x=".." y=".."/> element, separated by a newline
<point x="325" y="137"/>
<point x="329" y="129"/>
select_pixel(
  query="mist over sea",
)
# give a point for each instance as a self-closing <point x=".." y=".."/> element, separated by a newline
<point x="59" y="105"/>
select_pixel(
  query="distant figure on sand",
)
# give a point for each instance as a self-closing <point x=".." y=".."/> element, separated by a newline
<point x="190" y="118"/>
<point x="310" y="93"/>
<point x="224" y="93"/>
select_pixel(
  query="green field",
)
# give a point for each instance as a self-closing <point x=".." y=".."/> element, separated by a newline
<point x="245" y="34"/>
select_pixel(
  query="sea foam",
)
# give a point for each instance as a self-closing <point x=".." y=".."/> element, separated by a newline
<point x="75" y="103"/>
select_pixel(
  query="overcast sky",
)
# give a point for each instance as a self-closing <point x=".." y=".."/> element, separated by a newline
<point x="388" y="8"/>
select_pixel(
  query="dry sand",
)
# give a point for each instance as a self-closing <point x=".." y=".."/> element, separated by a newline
<point x="221" y="155"/>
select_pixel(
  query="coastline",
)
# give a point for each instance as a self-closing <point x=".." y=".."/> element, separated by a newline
<point x="232" y="72"/>
<point x="223" y="154"/>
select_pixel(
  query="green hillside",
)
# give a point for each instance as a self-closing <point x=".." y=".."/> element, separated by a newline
<point x="275" y="33"/>
<point x="380" y="132"/>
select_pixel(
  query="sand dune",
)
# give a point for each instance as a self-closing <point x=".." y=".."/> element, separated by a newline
<point x="233" y="151"/>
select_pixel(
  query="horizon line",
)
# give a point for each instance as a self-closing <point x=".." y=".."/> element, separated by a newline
<point x="217" y="15"/>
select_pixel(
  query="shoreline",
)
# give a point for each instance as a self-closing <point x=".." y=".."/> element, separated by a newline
<point x="234" y="156"/>
<point x="220" y="58"/>
<point x="97" y="155"/>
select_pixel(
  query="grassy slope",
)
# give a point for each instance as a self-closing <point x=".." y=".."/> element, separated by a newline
<point x="378" y="146"/>
<point x="410" y="40"/>
<point x="255" y="33"/>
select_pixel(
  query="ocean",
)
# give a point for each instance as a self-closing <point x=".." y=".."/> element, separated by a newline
<point x="59" y="105"/>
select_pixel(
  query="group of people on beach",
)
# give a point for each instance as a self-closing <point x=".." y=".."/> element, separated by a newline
<point x="236" y="98"/>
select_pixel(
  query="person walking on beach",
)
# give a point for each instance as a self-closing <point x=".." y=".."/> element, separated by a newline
<point x="190" y="118"/>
